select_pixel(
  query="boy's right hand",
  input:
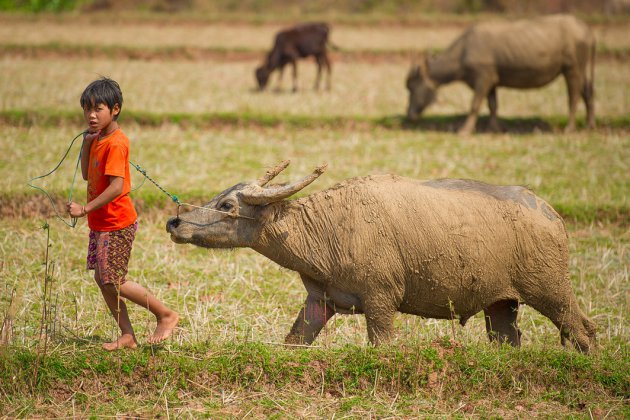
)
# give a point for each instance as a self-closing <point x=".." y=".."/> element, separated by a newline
<point x="89" y="137"/>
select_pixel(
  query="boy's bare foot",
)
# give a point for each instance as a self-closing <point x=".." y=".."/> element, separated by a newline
<point x="165" y="326"/>
<point x="124" y="341"/>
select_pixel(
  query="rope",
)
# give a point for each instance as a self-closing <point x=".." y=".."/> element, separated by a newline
<point x="144" y="172"/>
<point x="176" y="198"/>
<point x="240" y="216"/>
<point x="73" y="220"/>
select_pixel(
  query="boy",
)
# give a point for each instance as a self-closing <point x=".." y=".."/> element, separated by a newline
<point x="111" y="214"/>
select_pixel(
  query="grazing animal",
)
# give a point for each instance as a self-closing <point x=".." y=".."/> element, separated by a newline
<point x="521" y="54"/>
<point x="381" y="244"/>
<point x="309" y="39"/>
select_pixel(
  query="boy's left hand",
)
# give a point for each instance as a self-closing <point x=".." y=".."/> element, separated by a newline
<point x="75" y="209"/>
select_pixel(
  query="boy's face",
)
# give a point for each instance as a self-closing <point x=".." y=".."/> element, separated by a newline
<point x="99" y="116"/>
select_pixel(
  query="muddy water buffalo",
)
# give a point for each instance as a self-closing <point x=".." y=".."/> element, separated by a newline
<point x="308" y="39"/>
<point x="522" y="54"/>
<point x="381" y="244"/>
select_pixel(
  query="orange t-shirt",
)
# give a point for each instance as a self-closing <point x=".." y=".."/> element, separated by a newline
<point x="109" y="156"/>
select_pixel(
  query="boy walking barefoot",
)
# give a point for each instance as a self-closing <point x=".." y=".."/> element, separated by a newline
<point x="111" y="214"/>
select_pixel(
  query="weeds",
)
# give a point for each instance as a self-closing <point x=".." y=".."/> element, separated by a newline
<point x="38" y="6"/>
<point x="6" y="330"/>
<point x="48" y="312"/>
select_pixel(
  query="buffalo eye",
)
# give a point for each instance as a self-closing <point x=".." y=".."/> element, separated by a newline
<point x="227" y="206"/>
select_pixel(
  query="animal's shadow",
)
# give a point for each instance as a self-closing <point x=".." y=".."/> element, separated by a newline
<point x="452" y="123"/>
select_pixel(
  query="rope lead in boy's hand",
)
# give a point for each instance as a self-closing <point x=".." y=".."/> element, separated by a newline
<point x="73" y="220"/>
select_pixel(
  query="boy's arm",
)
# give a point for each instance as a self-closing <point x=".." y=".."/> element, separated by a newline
<point x="85" y="153"/>
<point x="113" y="190"/>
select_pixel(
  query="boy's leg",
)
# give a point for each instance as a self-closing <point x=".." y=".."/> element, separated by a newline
<point x="166" y="318"/>
<point x="118" y="309"/>
<point x="112" y="251"/>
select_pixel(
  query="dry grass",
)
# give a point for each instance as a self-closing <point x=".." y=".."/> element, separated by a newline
<point x="76" y="31"/>
<point x="229" y="297"/>
<point x="359" y="89"/>
<point x="225" y="294"/>
<point x="199" y="163"/>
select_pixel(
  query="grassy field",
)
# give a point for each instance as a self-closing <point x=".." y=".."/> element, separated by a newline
<point x="197" y="127"/>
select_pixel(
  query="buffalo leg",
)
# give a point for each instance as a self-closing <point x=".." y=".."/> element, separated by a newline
<point x="310" y="321"/>
<point x="588" y="97"/>
<point x="328" y="70"/>
<point x="280" y="73"/>
<point x="380" y="323"/>
<point x="322" y="61"/>
<point x="318" y="61"/>
<point x="501" y="322"/>
<point x="294" y="64"/>
<point x="482" y="89"/>
<point x="574" y="83"/>
<point x="562" y="309"/>
<point x="492" y="105"/>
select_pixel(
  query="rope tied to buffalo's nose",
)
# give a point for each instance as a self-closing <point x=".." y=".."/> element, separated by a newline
<point x="73" y="220"/>
<point x="239" y="216"/>
<point x="146" y="176"/>
<point x="176" y="199"/>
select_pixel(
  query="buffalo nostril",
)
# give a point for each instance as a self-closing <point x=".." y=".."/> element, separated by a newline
<point x="173" y="223"/>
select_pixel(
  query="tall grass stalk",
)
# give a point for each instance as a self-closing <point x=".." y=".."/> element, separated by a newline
<point x="46" y="324"/>
<point x="6" y="330"/>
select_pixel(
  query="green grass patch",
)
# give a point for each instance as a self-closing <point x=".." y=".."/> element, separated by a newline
<point x="441" y="123"/>
<point x="39" y="6"/>
<point x="353" y="375"/>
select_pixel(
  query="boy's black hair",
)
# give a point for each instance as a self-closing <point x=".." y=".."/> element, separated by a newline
<point x="102" y="91"/>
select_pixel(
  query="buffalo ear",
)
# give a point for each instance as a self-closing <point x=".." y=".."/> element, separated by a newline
<point x="414" y="71"/>
<point x="424" y="66"/>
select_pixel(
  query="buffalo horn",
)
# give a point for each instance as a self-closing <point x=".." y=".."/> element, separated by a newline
<point x="256" y="195"/>
<point x="272" y="173"/>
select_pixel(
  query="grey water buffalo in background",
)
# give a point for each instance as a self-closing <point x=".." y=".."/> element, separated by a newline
<point x="381" y="244"/>
<point x="305" y="40"/>
<point x="521" y="54"/>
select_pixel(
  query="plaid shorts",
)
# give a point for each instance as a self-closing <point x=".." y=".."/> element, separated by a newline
<point x="109" y="252"/>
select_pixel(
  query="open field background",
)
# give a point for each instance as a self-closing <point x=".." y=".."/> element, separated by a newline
<point x="198" y="127"/>
<point x="244" y="36"/>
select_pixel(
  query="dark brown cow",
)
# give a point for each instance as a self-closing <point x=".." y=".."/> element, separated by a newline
<point x="309" y="39"/>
